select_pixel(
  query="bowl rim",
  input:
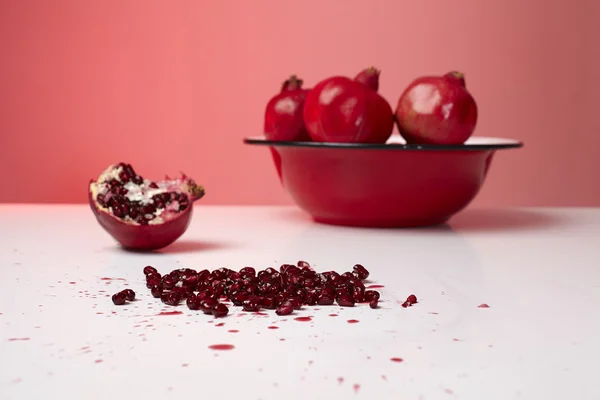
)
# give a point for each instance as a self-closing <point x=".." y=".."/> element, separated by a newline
<point x="474" y="143"/>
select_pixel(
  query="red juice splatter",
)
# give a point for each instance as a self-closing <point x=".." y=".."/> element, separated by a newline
<point x="353" y="321"/>
<point x="162" y="313"/>
<point x="356" y="387"/>
<point x="303" y="319"/>
<point x="340" y="380"/>
<point x="184" y="365"/>
<point x="483" y="306"/>
<point x="396" y="359"/>
<point x="112" y="279"/>
<point x="384" y="377"/>
<point x="375" y="286"/>
<point x="333" y="315"/>
<point x="272" y="327"/>
<point x="221" y="347"/>
<point x="233" y="331"/>
<point x="98" y="361"/>
<point x="220" y="324"/>
<point x="72" y="283"/>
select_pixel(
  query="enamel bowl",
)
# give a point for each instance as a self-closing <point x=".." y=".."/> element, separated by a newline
<point x="383" y="185"/>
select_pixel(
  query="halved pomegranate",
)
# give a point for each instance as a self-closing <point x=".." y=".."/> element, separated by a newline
<point x="141" y="214"/>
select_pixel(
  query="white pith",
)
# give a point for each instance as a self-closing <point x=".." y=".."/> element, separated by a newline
<point x="142" y="193"/>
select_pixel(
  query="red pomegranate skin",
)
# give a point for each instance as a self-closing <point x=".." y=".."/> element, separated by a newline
<point x="283" y="114"/>
<point x="148" y="237"/>
<point x="142" y="237"/>
<point x="343" y="110"/>
<point x="437" y="110"/>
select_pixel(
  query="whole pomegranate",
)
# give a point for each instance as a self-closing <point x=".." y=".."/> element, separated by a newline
<point x="344" y="110"/>
<point x="283" y="114"/>
<point x="141" y="214"/>
<point x="437" y="110"/>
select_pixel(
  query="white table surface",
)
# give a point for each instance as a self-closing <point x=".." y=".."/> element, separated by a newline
<point x="537" y="269"/>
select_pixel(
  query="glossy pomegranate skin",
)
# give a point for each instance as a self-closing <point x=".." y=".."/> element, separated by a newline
<point x="283" y="115"/>
<point x="437" y="110"/>
<point x="342" y="110"/>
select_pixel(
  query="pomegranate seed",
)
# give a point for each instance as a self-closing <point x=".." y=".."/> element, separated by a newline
<point x="152" y="281"/>
<point x="295" y="302"/>
<point x="203" y="275"/>
<point x="119" y="298"/>
<point x="358" y="294"/>
<point x="208" y="305"/>
<point x="156" y="291"/>
<point x="168" y="283"/>
<point x="373" y="303"/>
<point x="181" y="291"/>
<point x="347" y="276"/>
<point x="268" y="303"/>
<point x="150" y="270"/>
<point x="129" y="294"/>
<point x="345" y="301"/>
<point x="285" y="309"/>
<point x="171" y="298"/>
<point x="193" y="302"/>
<point x="303" y="265"/>
<point x="410" y="300"/>
<point x="206" y="295"/>
<point x="248" y="271"/>
<point x="325" y="300"/>
<point x="251" y="305"/>
<point x="220" y="310"/>
<point x="371" y="294"/>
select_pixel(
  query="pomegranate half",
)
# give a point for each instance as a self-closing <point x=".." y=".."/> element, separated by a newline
<point x="437" y="110"/>
<point x="141" y="214"/>
<point x="344" y="110"/>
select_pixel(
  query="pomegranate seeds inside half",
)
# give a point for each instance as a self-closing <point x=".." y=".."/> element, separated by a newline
<point x="141" y="214"/>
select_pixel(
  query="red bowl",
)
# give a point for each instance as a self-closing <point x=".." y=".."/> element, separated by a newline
<point x="383" y="185"/>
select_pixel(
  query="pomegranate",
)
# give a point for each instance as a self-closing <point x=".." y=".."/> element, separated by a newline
<point x="437" y="110"/>
<point x="283" y="114"/>
<point x="141" y="214"/>
<point x="343" y="110"/>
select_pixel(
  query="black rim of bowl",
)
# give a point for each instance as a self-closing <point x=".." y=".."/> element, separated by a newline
<point x="509" y="144"/>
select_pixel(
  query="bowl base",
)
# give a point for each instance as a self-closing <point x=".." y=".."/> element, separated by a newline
<point x="402" y="223"/>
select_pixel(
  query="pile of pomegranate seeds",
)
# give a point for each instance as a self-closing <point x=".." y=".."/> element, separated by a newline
<point x="125" y="295"/>
<point x="284" y="291"/>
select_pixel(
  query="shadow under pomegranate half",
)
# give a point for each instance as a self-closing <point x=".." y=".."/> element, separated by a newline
<point x="389" y="185"/>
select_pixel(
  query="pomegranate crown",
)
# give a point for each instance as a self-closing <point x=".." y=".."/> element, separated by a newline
<point x="458" y="77"/>
<point x="293" y="83"/>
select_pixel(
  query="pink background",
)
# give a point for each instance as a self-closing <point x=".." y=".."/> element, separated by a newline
<point x="176" y="85"/>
